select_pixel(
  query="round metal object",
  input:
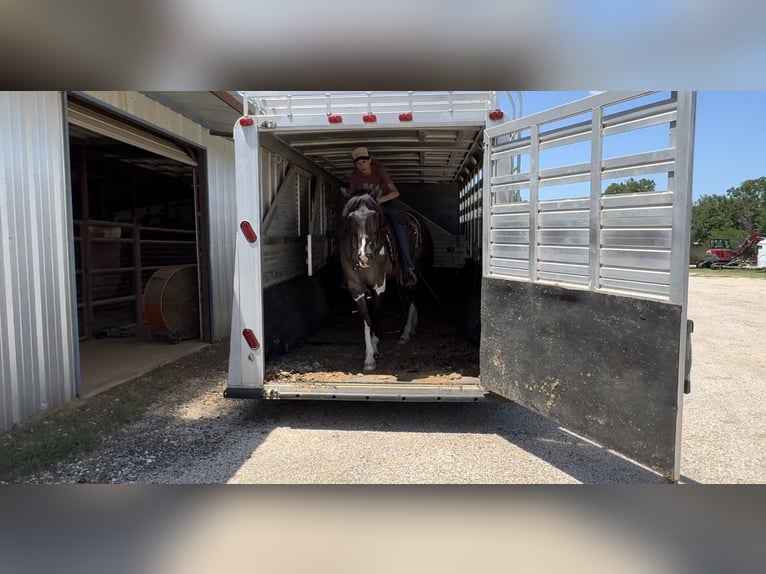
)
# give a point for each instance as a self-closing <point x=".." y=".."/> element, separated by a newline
<point x="171" y="302"/>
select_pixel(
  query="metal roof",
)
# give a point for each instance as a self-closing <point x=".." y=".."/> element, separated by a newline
<point x="217" y="111"/>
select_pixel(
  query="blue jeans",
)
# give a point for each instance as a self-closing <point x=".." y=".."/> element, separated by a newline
<point x="395" y="219"/>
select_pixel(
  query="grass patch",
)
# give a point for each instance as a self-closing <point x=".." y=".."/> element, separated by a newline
<point x="72" y="430"/>
<point x="730" y="272"/>
<point x="80" y="427"/>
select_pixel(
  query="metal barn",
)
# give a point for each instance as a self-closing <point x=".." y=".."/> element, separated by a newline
<point x="109" y="201"/>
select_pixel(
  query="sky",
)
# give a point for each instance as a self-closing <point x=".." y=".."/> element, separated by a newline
<point x="730" y="136"/>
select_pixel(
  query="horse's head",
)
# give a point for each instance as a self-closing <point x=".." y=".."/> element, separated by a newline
<point x="365" y="220"/>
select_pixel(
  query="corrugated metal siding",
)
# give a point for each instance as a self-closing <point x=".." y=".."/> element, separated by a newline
<point x="220" y="186"/>
<point x="222" y="213"/>
<point x="37" y="342"/>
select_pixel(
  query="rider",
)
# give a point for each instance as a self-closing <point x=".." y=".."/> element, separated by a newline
<point x="371" y="177"/>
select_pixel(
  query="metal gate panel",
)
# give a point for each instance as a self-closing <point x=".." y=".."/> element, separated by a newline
<point x="584" y="298"/>
<point x="648" y="216"/>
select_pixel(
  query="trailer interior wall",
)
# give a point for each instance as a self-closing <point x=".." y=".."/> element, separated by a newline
<point x="297" y="202"/>
<point x="219" y="173"/>
<point x="470" y="214"/>
<point x="38" y="342"/>
<point x="300" y="199"/>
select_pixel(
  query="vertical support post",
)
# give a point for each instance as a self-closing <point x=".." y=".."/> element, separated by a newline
<point x="486" y="206"/>
<point x="199" y="252"/>
<point x="87" y="294"/>
<point x="594" y="239"/>
<point x="534" y="197"/>
<point x="137" y="273"/>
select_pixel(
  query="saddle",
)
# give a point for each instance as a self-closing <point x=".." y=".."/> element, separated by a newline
<point x="414" y="234"/>
<point x="414" y="229"/>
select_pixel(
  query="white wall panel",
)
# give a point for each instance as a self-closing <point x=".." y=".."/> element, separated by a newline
<point x="38" y="363"/>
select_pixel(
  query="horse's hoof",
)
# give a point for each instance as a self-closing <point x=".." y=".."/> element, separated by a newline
<point x="369" y="366"/>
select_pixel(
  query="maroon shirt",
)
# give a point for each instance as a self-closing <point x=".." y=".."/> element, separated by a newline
<point x="376" y="184"/>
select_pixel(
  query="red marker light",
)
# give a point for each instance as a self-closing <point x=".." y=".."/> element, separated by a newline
<point x="369" y="118"/>
<point x="248" y="231"/>
<point x="246" y="121"/>
<point x="252" y="341"/>
<point x="496" y="115"/>
<point x="405" y="117"/>
<point x="334" y="118"/>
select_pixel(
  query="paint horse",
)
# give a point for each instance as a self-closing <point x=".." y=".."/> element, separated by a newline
<point x="369" y="257"/>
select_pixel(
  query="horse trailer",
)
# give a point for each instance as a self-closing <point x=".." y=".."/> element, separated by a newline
<point x="543" y="290"/>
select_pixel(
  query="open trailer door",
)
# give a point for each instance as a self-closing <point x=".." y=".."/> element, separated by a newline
<point x="246" y="354"/>
<point x="584" y="293"/>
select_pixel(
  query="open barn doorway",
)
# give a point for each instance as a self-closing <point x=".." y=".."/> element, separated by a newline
<point x="138" y="228"/>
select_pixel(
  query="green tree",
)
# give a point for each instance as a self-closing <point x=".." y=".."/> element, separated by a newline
<point x="711" y="213"/>
<point x="750" y="204"/>
<point x="735" y="215"/>
<point x="631" y="186"/>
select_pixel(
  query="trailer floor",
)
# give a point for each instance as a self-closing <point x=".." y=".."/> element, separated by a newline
<point x="437" y="360"/>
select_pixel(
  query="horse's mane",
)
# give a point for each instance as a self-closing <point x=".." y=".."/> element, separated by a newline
<point x="358" y="201"/>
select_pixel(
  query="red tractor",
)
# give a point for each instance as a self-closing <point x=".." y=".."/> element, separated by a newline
<point x="721" y="253"/>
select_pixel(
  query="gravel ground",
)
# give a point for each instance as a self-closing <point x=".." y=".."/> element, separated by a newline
<point x="724" y="427"/>
<point x="197" y="436"/>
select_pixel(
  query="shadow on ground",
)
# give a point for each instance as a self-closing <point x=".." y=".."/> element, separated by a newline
<point x="582" y="460"/>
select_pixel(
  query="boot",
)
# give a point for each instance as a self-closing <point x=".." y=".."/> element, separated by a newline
<point x="410" y="278"/>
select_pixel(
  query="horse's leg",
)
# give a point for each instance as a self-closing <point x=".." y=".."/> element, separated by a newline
<point x="412" y="316"/>
<point x="370" y="340"/>
<point x="377" y="307"/>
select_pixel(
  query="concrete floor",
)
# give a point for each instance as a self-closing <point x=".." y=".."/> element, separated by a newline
<point x="108" y="362"/>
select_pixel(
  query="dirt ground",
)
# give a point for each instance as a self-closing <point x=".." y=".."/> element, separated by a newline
<point x="194" y="435"/>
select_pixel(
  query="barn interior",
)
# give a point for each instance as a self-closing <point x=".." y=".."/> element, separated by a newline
<point x="135" y="250"/>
